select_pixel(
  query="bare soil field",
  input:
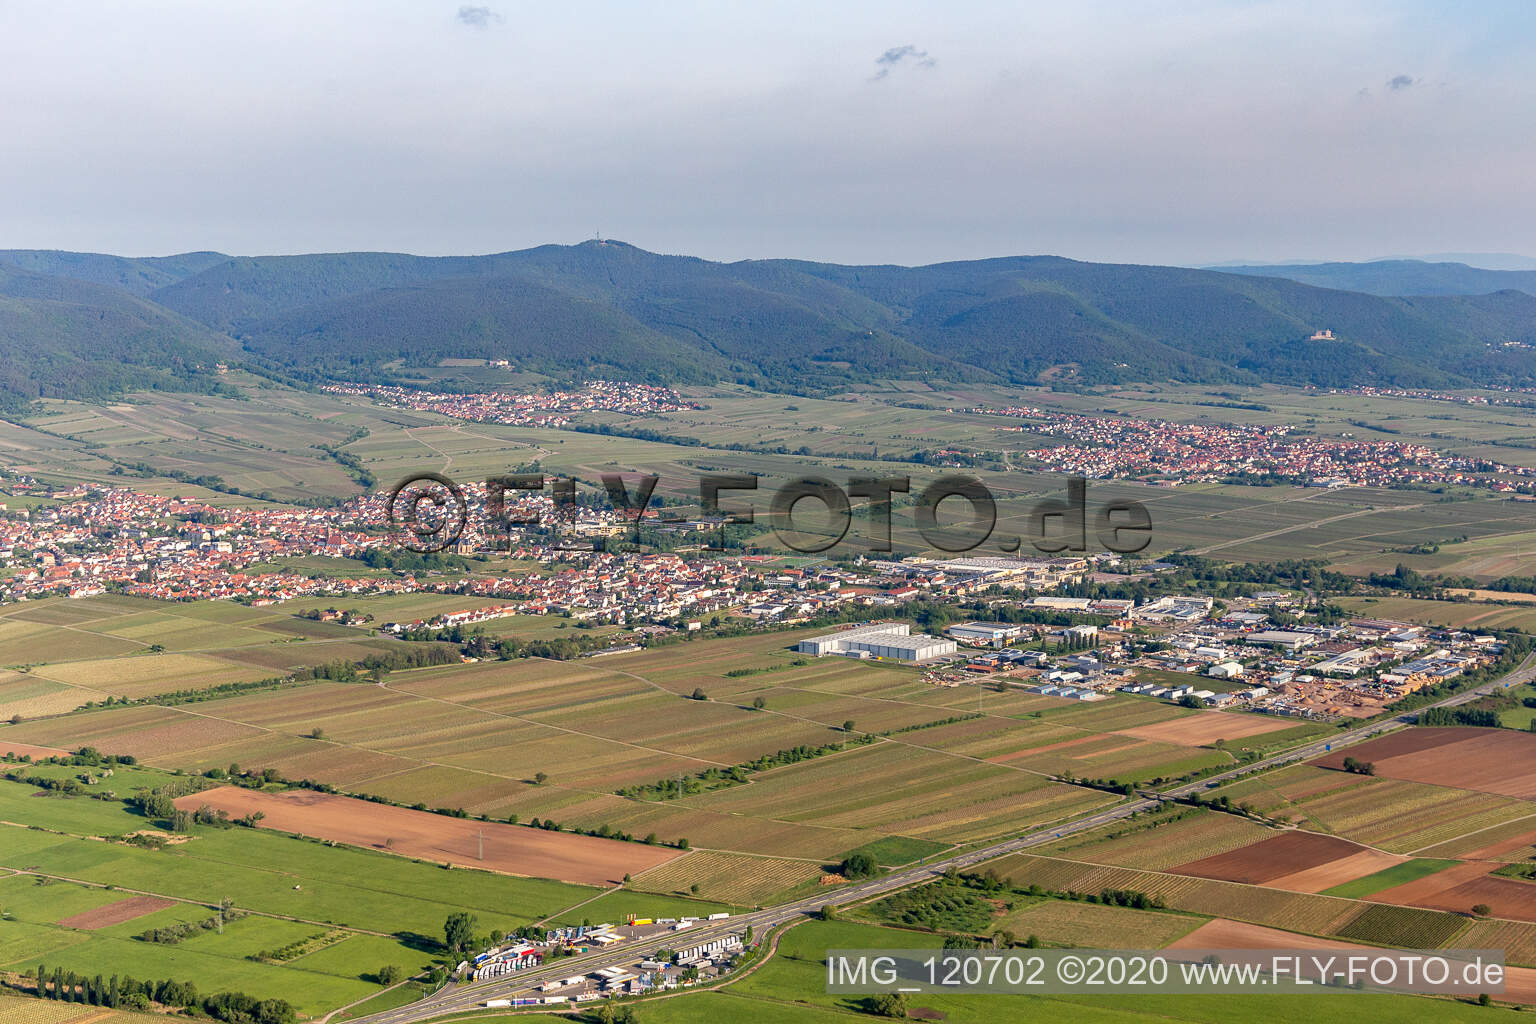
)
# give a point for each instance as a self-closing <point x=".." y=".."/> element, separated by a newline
<point x="30" y="749"/>
<point x="1337" y="872"/>
<point x="1205" y="727"/>
<point x="1223" y="934"/>
<point x="116" y="913"/>
<point x="1494" y="595"/>
<point x="1458" y="889"/>
<point x="511" y="849"/>
<point x="1285" y="855"/>
<point x="1498" y="761"/>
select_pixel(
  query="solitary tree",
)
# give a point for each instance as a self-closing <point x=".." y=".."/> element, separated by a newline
<point x="1480" y="909"/>
<point x="858" y="865"/>
<point x="539" y="778"/>
<point x="459" y="931"/>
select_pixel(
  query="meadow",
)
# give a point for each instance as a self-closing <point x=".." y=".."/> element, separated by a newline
<point x="377" y="909"/>
<point x="70" y="868"/>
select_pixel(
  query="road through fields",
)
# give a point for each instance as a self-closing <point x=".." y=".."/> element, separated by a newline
<point x="458" y="998"/>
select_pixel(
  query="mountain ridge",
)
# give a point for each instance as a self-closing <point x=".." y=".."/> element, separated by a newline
<point x="611" y="308"/>
<point x="1396" y="277"/>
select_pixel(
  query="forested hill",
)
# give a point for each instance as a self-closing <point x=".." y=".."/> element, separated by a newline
<point x="611" y="308"/>
<point x="137" y="275"/>
<point x="62" y="337"/>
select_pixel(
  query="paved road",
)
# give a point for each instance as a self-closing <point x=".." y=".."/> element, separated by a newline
<point x="460" y="997"/>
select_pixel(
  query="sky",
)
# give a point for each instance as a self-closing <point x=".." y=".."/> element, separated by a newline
<point x="893" y="132"/>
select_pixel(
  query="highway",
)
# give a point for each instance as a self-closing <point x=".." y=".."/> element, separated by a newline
<point x="454" y="997"/>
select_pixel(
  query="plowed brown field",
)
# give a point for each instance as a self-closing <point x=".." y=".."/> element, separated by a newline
<point x="30" y="749"/>
<point x="512" y="849"/>
<point x="1337" y="872"/>
<point x="116" y="913"/>
<point x="1460" y="888"/>
<point x="1261" y="863"/>
<point x="1499" y="761"/>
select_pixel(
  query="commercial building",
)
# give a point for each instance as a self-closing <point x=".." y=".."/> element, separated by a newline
<point x="1281" y="638"/>
<point x="882" y="640"/>
<point x="984" y="632"/>
<point x="1179" y="607"/>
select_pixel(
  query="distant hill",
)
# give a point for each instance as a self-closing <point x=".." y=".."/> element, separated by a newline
<point x="1398" y="277"/>
<point x="135" y="275"/>
<point x="1487" y="260"/>
<point x="65" y="338"/>
<point x="608" y="308"/>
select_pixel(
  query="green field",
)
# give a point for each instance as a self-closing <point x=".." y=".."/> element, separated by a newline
<point x="382" y="909"/>
<point x="1401" y="874"/>
<point x="894" y="851"/>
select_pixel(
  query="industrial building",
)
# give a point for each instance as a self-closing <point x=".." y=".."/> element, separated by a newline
<point x="984" y="632"/>
<point x="1282" y="638"/>
<point x="882" y="640"/>
<point x="1179" y="607"/>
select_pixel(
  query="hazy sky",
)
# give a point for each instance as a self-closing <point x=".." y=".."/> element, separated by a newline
<point x="873" y="132"/>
